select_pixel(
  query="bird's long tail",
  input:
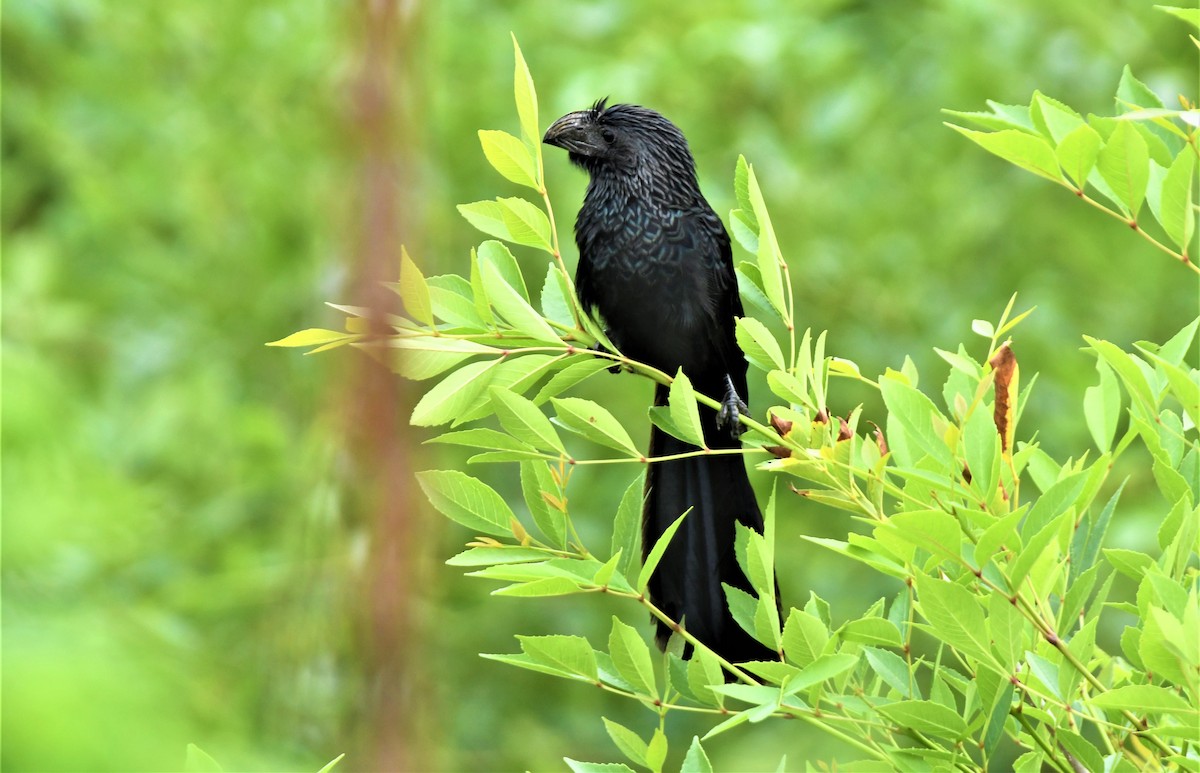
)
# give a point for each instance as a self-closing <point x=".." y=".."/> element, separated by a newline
<point x="687" y="582"/>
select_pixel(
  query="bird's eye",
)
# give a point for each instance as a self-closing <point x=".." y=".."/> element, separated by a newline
<point x="608" y="136"/>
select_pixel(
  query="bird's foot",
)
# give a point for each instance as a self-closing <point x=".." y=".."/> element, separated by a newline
<point x="732" y="407"/>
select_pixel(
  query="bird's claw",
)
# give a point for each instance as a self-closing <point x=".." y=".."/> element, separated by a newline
<point x="732" y="407"/>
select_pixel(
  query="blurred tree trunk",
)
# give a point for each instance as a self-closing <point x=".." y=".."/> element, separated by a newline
<point x="393" y="735"/>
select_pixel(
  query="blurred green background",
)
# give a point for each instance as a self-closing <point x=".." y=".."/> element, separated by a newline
<point x="187" y="556"/>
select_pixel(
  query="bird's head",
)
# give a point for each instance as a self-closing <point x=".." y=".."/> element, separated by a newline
<point x="621" y="139"/>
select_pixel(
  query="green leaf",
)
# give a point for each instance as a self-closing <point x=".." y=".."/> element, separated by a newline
<point x="1007" y="629"/>
<point x="932" y="530"/>
<point x="580" y="370"/>
<point x="759" y="346"/>
<point x="1124" y="163"/>
<point x="1052" y="118"/>
<point x="656" y="750"/>
<point x="627" y="527"/>
<point x="804" y="637"/>
<point x="926" y="717"/>
<point x="329" y="766"/>
<point x="696" y="760"/>
<point x="514" y="308"/>
<point x="872" y="630"/>
<point x="1077" y="153"/>
<point x="628" y="742"/>
<point x="1189" y="15"/>
<point x="493" y="556"/>
<point x="547" y="586"/>
<point x="1130" y="563"/>
<point x="631" y="657"/>
<point x="593" y="422"/>
<point x="769" y="257"/>
<point x="892" y="669"/>
<point x="955" y="615"/>
<point x="526" y="223"/>
<point x="453" y="395"/>
<point x="510" y="157"/>
<point x="571" y="654"/>
<point x="526" y="98"/>
<point x="704" y="671"/>
<point x="911" y="413"/>
<point x="414" y="290"/>
<point x="685" y="416"/>
<point x="313" y="336"/>
<point x="741" y="188"/>
<point x="981" y="446"/>
<point x="199" y="761"/>
<point x="554" y="297"/>
<point x="501" y="257"/>
<point x="656" y="553"/>
<point x="1144" y="699"/>
<point x="551" y="521"/>
<point x="1102" y="407"/>
<point x="524" y="421"/>
<point x="488" y="217"/>
<point x="597" y="767"/>
<point x="466" y="500"/>
<point x="1002" y="532"/>
<point x="1030" y="152"/>
<point x="1175" y="208"/>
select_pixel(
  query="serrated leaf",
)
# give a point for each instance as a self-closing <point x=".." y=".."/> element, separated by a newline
<point x="628" y="742"/>
<point x="510" y="157"/>
<point x="912" y="413"/>
<point x="524" y="421"/>
<point x="466" y="500"/>
<point x="627" y="528"/>
<point x="769" y="258"/>
<point x="656" y="553"/>
<point x="696" y="760"/>
<point x="685" y="415"/>
<point x="572" y="654"/>
<point x="955" y="615"/>
<point x="872" y="630"/>
<point x="547" y="586"/>
<point x="1124" y="163"/>
<point x="453" y="395"/>
<point x="1175" y="208"/>
<point x="1030" y="152"/>
<point x="597" y="767"/>
<point x="526" y="97"/>
<point x="514" y="308"/>
<point x="499" y="555"/>
<point x="313" y="336"/>
<point x="1102" y="407"/>
<point x="593" y="422"/>
<point x="804" y="637"/>
<point x="526" y="223"/>
<point x="926" y="717"/>
<point x="631" y="657"/>
<point x="892" y="669"/>
<point x="758" y="344"/>
<point x="1077" y="153"/>
<point x="554" y="297"/>
<point x="578" y="371"/>
<point x="1144" y="699"/>
<point x="414" y="290"/>
<point x="932" y="530"/>
<point x="1189" y="15"/>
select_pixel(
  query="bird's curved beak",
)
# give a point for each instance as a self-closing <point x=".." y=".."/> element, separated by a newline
<point x="571" y="133"/>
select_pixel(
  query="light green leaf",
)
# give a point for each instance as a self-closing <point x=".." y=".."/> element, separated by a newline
<point x="526" y="223"/>
<point x="488" y="217"/>
<point x="1077" y="153"/>
<point x="656" y="553"/>
<point x="926" y="717"/>
<point x="554" y="297"/>
<point x="199" y="761"/>
<point x="572" y="654"/>
<point x="1124" y="163"/>
<point x="510" y="157"/>
<point x="770" y="259"/>
<point x="453" y="395"/>
<point x="656" y="751"/>
<point x="1102" y="407"/>
<point x="597" y="767"/>
<point x="1176" y="214"/>
<point x="1144" y="699"/>
<point x="912" y="413"/>
<point x="329" y="766"/>
<point x="524" y="421"/>
<point x="955" y="615"/>
<point x="627" y="526"/>
<point x="466" y="500"/>
<point x="414" y="290"/>
<point x="631" y="657"/>
<point x="1030" y="152"/>
<point x="526" y="98"/>
<point x="704" y="671"/>
<point x="550" y="520"/>
<point x="1189" y="15"/>
<point x="548" y="586"/>
<point x="627" y="741"/>
<point x="514" y="308"/>
<point x="759" y="346"/>
<point x="932" y="530"/>
<point x="583" y="368"/>
<point x="696" y="760"/>
<point x="493" y="556"/>
<point x="1053" y="118"/>
<point x="313" y="336"/>
<point x="892" y="669"/>
<point x="593" y="422"/>
<point x="804" y="637"/>
<point x="872" y="630"/>
<point x="685" y="416"/>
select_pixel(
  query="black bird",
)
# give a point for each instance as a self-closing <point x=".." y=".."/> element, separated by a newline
<point x="655" y="262"/>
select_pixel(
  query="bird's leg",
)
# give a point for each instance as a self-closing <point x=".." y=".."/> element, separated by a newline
<point x="731" y="408"/>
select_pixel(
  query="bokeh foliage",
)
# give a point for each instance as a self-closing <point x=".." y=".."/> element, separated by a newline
<point x="176" y="193"/>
